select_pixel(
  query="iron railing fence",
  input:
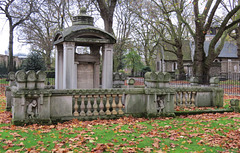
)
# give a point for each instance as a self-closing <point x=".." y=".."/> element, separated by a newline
<point x="230" y="82"/>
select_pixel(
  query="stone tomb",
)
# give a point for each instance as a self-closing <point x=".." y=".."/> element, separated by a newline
<point x="80" y="70"/>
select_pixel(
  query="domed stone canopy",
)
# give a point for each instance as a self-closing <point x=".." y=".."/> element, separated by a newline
<point x="83" y="33"/>
<point x="78" y="70"/>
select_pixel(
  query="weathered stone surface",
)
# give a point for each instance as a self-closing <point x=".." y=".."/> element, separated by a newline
<point x="21" y="76"/>
<point x="135" y="103"/>
<point x="11" y="76"/>
<point x="41" y="76"/>
<point x="194" y="81"/>
<point x="214" y="81"/>
<point x="44" y="108"/>
<point x="160" y="76"/>
<point x="203" y="99"/>
<point x="21" y="79"/>
<point x="61" y="106"/>
<point x="167" y="77"/>
<point x="31" y="79"/>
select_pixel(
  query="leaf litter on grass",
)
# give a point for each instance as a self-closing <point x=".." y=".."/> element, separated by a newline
<point x="192" y="133"/>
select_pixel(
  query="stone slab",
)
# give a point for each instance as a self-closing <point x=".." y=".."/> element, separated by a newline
<point x="61" y="106"/>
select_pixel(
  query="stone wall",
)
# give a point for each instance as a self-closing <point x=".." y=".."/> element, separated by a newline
<point x="31" y="102"/>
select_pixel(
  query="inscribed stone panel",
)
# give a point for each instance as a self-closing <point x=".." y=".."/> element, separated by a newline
<point x="85" y="76"/>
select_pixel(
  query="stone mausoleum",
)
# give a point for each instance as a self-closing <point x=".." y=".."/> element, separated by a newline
<point x="81" y="70"/>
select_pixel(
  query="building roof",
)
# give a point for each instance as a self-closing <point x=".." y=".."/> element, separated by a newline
<point x="229" y="50"/>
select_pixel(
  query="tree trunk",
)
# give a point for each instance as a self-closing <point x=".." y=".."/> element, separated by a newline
<point x="48" y="59"/>
<point x="108" y="25"/>
<point x="10" y="49"/>
<point x="238" y="41"/>
<point x="180" y="66"/>
<point x="199" y="56"/>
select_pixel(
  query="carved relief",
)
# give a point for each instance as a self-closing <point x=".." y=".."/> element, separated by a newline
<point x="32" y="109"/>
<point x="160" y="104"/>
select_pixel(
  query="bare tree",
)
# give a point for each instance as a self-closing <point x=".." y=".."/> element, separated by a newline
<point x="124" y="21"/>
<point x="39" y="30"/>
<point x="164" y="18"/>
<point x="203" y="21"/>
<point x="106" y="9"/>
<point x="16" y="12"/>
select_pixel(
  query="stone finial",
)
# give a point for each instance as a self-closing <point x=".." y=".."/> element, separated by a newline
<point x="147" y="76"/>
<point x="21" y="79"/>
<point x="31" y="75"/>
<point x="194" y="81"/>
<point x="11" y="76"/>
<point x="31" y="79"/>
<point x="167" y="77"/>
<point x="154" y="76"/>
<point x="214" y="81"/>
<point x="156" y="80"/>
<point x="20" y="76"/>
<point x="41" y="75"/>
<point x="160" y="76"/>
<point x="116" y="76"/>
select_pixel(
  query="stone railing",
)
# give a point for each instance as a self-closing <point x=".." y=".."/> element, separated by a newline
<point x="95" y="103"/>
<point x="31" y="102"/>
<point x="198" y="97"/>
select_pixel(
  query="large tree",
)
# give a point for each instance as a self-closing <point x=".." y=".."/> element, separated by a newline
<point x="167" y="24"/>
<point x="124" y="21"/>
<point x="203" y="20"/>
<point x="106" y="9"/>
<point x="39" y="30"/>
<point x="16" y="12"/>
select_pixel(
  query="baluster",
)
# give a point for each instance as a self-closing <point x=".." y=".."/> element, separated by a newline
<point x="184" y="99"/>
<point x="179" y="99"/>
<point x="120" y="105"/>
<point x="101" y="106"/>
<point x="76" y="106"/>
<point x="95" y="106"/>
<point x="189" y="98"/>
<point x="89" y="106"/>
<point x="175" y="100"/>
<point x="82" y="113"/>
<point x="114" y="112"/>
<point x="108" y="105"/>
<point x="193" y="99"/>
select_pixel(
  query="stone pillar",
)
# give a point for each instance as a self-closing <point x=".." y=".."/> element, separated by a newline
<point x="75" y="75"/>
<point x="59" y="67"/>
<point x="68" y="65"/>
<point x="96" y="75"/>
<point x="107" y="66"/>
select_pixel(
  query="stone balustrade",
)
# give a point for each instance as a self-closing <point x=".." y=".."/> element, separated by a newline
<point x="97" y="104"/>
<point x="198" y="97"/>
<point x="185" y="98"/>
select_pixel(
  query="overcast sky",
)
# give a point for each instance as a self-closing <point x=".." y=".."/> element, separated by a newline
<point x="4" y="36"/>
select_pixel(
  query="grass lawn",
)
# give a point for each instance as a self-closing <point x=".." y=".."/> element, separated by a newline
<point x="193" y="133"/>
